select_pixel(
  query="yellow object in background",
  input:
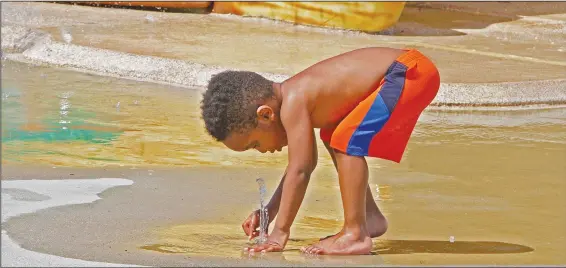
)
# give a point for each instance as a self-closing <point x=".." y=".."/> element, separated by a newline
<point x="363" y="16"/>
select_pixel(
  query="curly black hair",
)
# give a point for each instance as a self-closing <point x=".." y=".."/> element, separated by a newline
<point x="230" y="102"/>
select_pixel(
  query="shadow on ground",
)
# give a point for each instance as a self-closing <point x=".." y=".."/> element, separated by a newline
<point x="446" y="247"/>
<point x="383" y="247"/>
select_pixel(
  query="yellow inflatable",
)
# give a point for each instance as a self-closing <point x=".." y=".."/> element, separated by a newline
<point x="363" y="16"/>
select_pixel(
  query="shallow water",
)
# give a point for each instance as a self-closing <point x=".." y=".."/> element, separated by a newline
<point x="68" y="118"/>
<point x="62" y="117"/>
<point x="492" y="179"/>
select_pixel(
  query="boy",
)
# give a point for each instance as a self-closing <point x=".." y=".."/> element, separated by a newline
<point x="365" y="102"/>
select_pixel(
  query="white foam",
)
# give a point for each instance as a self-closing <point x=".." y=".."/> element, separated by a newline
<point x="526" y="29"/>
<point x="502" y="94"/>
<point x="60" y="193"/>
<point x="108" y="62"/>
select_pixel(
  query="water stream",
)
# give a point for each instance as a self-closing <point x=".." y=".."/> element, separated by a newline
<point x="263" y="214"/>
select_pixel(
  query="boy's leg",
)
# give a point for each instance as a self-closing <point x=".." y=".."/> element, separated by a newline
<point x="375" y="221"/>
<point x="354" y="237"/>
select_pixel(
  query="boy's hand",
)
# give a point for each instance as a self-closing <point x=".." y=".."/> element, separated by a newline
<point x="251" y="224"/>
<point x="276" y="241"/>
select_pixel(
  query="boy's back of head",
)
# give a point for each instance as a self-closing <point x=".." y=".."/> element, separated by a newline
<point x="229" y="104"/>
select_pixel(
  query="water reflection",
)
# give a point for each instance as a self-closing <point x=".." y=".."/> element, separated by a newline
<point x="382" y="192"/>
<point x="65" y="105"/>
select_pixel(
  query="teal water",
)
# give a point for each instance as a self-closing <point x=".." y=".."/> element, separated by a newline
<point x="64" y="120"/>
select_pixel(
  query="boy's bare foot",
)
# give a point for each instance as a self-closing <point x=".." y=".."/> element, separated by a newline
<point x="376" y="225"/>
<point x="341" y="244"/>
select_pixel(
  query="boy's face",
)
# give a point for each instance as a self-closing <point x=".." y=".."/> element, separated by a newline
<point x="268" y="136"/>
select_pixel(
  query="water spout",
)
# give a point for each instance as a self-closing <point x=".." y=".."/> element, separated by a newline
<point x="263" y="214"/>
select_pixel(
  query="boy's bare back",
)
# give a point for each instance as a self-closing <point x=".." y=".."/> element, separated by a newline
<point x="333" y="87"/>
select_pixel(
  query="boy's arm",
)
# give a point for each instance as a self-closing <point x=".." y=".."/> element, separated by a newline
<point x="301" y="143"/>
<point x="275" y="201"/>
<point x="302" y="160"/>
<point x="273" y="205"/>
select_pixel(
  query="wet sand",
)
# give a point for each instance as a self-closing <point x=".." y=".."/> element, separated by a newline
<point x="20" y="197"/>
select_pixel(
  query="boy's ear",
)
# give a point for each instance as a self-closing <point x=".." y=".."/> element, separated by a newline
<point x="265" y="114"/>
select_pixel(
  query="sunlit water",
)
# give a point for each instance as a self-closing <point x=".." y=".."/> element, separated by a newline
<point x="62" y="117"/>
<point x="76" y="119"/>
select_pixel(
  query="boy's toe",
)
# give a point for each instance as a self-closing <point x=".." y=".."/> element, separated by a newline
<point x="313" y="249"/>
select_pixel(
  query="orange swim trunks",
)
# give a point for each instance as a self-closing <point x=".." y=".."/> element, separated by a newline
<point x="381" y="124"/>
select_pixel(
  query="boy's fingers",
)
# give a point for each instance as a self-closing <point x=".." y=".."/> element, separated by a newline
<point x="259" y="248"/>
<point x="246" y="227"/>
<point x="251" y="226"/>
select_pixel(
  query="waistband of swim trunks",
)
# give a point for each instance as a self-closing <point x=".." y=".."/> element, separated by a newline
<point x="410" y="56"/>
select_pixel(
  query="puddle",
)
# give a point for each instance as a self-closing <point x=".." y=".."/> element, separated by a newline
<point x="227" y="240"/>
<point x="223" y="240"/>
